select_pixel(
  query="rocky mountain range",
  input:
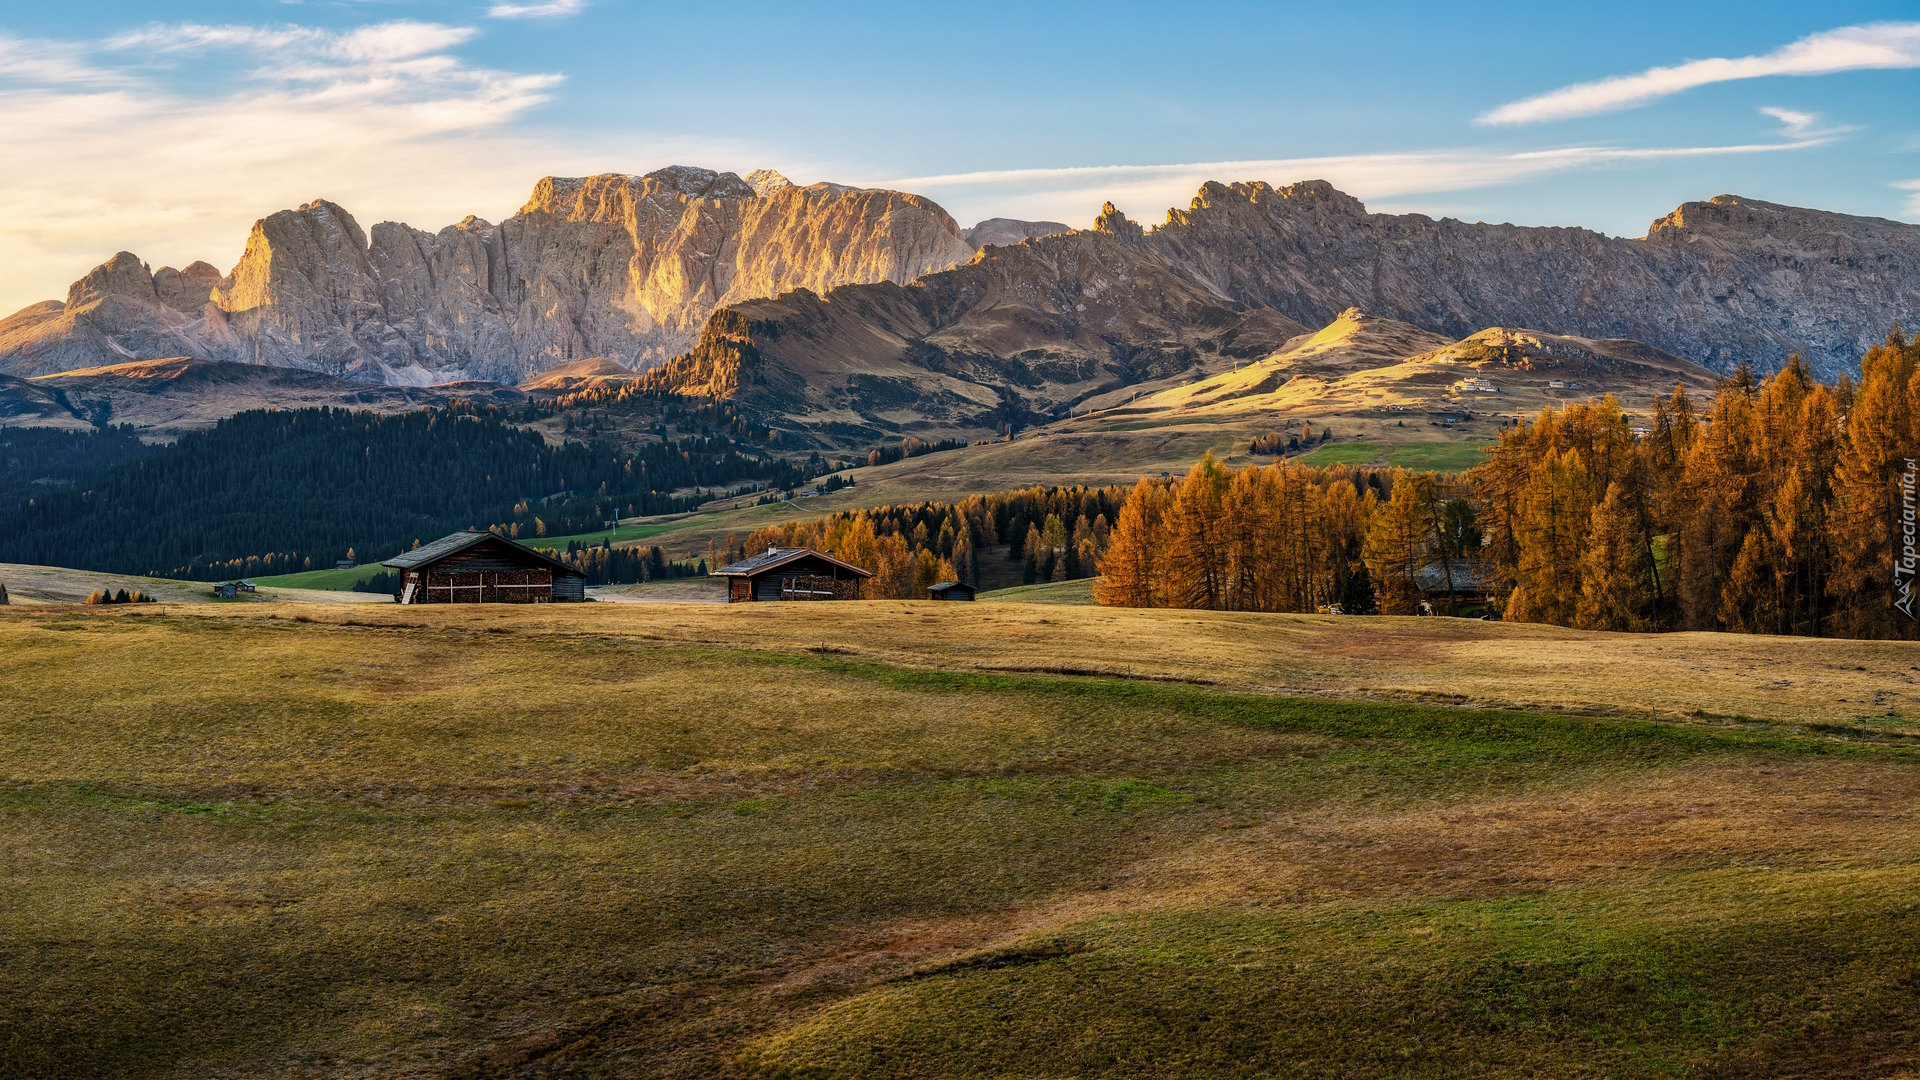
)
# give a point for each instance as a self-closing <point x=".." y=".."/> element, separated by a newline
<point x="1039" y="327"/>
<point x="869" y="311"/>
<point x="615" y="266"/>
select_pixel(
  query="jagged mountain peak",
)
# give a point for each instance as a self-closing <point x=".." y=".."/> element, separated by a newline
<point x="123" y="275"/>
<point x="1217" y="201"/>
<point x="765" y="182"/>
<point x="582" y="196"/>
<point x="1114" y="223"/>
<point x="697" y="183"/>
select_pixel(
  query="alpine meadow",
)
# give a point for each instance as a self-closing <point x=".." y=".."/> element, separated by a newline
<point x="1291" y="543"/>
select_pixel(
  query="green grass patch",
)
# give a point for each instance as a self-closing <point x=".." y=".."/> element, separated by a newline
<point x="623" y="534"/>
<point x="332" y="580"/>
<point x="1079" y="591"/>
<point x="1451" y="457"/>
<point x="1604" y="982"/>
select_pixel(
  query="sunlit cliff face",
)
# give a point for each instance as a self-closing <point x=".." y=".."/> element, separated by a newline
<point x="611" y="265"/>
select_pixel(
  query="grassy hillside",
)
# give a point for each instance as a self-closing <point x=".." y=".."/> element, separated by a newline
<point x="589" y="841"/>
<point x="335" y="580"/>
<point x="625" y="534"/>
<point x="1049" y="592"/>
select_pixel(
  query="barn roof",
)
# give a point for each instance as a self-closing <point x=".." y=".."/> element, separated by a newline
<point x="945" y="586"/>
<point x="1468" y="576"/>
<point x="428" y="554"/>
<point x="774" y="558"/>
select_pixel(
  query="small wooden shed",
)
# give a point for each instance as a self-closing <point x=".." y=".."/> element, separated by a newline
<point x="950" y="590"/>
<point x="1469" y="579"/>
<point x="475" y="567"/>
<point x="792" y="574"/>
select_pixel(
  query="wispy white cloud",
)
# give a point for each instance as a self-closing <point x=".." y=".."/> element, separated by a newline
<point x="163" y="39"/>
<point x="170" y="141"/>
<point x="26" y="60"/>
<point x="114" y="149"/>
<point x="1795" y="123"/>
<point x="1913" y="200"/>
<point x="550" y="9"/>
<point x="1073" y="195"/>
<point x="388" y="42"/>
<point x="1850" y="48"/>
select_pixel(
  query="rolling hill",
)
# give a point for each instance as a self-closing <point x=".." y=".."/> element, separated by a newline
<point x="1361" y="365"/>
<point x="169" y="397"/>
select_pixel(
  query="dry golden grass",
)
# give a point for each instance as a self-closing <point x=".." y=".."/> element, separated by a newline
<point x="881" y="839"/>
<point x="30" y="585"/>
<point x="1449" y="661"/>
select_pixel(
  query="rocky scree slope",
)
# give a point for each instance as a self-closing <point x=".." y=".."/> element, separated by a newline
<point x="624" y="267"/>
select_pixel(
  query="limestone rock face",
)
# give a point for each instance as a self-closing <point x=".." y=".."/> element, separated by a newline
<point x="119" y="311"/>
<point x="186" y="291"/>
<point x="624" y="267"/>
<point x="304" y="294"/>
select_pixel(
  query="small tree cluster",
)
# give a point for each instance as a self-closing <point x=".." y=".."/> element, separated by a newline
<point x="1273" y="538"/>
<point x="1273" y="443"/>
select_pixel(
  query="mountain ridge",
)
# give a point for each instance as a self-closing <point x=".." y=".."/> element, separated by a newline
<point x="873" y="311"/>
<point x="1056" y="320"/>
<point x="615" y="265"/>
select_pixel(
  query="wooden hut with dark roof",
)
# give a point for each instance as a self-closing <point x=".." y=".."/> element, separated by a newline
<point x="792" y="574"/>
<point x="475" y="567"/>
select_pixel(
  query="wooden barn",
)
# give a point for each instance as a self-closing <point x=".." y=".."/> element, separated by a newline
<point x="484" y="568"/>
<point x="1469" y="580"/>
<point x="950" y="590"/>
<point x="792" y="574"/>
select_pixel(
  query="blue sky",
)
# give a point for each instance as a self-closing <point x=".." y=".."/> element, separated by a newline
<point x="167" y="129"/>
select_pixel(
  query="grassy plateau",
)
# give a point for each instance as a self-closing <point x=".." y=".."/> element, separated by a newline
<point x="946" y="840"/>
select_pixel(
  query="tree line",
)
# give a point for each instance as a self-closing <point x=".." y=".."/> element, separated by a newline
<point x="1775" y="508"/>
<point x="279" y="491"/>
<point x="1055" y="533"/>
<point x="604" y="564"/>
